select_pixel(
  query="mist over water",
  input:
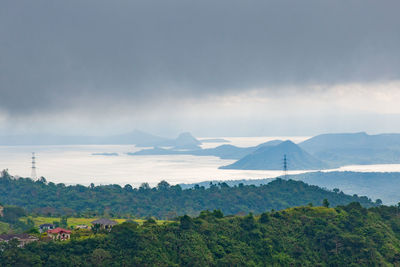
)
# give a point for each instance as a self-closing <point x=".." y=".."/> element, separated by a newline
<point x="78" y="165"/>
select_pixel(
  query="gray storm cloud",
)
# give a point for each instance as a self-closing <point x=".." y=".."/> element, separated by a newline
<point x="57" y="55"/>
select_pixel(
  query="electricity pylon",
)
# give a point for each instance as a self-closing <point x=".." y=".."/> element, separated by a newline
<point x="33" y="173"/>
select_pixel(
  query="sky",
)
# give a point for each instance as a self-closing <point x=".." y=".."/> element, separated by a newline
<point x="214" y="68"/>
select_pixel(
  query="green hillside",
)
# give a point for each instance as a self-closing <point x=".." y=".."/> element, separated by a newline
<point x="303" y="236"/>
<point x="164" y="201"/>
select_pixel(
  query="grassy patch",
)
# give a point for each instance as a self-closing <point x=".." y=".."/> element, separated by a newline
<point x="77" y="221"/>
<point x="4" y="227"/>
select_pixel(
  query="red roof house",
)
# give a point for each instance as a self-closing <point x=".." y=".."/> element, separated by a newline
<point x="59" y="233"/>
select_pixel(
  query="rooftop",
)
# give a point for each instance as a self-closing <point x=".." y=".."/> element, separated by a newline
<point x="8" y="237"/>
<point x="46" y="225"/>
<point x="104" y="222"/>
<point x="58" y="230"/>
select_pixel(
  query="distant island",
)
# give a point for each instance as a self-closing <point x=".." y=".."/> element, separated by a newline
<point x="271" y="158"/>
<point x="222" y="151"/>
<point x="325" y="151"/>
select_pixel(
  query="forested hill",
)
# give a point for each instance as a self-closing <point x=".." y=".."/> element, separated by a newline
<point x="375" y="185"/>
<point x="303" y="236"/>
<point x="163" y="201"/>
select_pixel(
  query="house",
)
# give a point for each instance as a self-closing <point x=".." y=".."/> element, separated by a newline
<point x="59" y="234"/>
<point x="23" y="239"/>
<point x="45" y="227"/>
<point x="104" y="223"/>
<point x="81" y="226"/>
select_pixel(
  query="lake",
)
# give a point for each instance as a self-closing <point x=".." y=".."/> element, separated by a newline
<point x="77" y="164"/>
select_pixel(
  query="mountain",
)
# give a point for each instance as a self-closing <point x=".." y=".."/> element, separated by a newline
<point x="222" y="151"/>
<point x="271" y="158"/>
<point x="183" y="141"/>
<point x="225" y="152"/>
<point x="269" y="143"/>
<point x="354" y="148"/>
<point x="234" y="152"/>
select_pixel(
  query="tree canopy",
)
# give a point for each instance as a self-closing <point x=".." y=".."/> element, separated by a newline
<point x="164" y="201"/>
<point x="302" y="236"/>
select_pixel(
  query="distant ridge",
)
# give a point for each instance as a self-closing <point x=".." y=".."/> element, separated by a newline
<point x="183" y="141"/>
<point x="376" y="185"/>
<point x="223" y="151"/>
<point x="354" y="148"/>
<point x="271" y="158"/>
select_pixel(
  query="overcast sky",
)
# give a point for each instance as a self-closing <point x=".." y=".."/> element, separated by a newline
<point x="215" y="68"/>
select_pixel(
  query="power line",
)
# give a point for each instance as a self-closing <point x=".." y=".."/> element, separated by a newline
<point x="33" y="173"/>
<point x="285" y="167"/>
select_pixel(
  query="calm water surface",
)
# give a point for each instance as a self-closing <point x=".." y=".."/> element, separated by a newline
<point x="76" y="164"/>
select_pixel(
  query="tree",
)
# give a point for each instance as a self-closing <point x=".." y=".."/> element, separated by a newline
<point x="186" y="222"/>
<point x="100" y="257"/>
<point x="150" y="221"/>
<point x="248" y="222"/>
<point x="325" y="203"/>
<point x="218" y="214"/>
<point x="144" y="187"/>
<point x="5" y="174"/>
<point x="64" y="222"/>
<point x="12" y="213"/>
<point x="264" y="218"/>
<point x="128" y="188"/>
<point x="163" y="185"/>
<point x="164" y="200"/>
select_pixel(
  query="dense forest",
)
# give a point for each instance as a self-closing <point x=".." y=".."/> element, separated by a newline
<point x="304" y="236"/>
<point x="382" y="185"/>
<point x="164" y="201"/>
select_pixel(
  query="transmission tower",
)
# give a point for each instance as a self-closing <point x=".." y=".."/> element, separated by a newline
<point x="285" y="167"/>
<point x="33" y="173"/>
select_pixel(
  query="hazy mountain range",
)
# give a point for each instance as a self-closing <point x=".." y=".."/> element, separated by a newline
<point x="354" y="148"/>
<point x="324" y="151"/>
<point x="320" y="152"/>
<point x="223" y="151"/>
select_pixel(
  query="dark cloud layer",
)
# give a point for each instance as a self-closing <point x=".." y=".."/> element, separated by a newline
<point x="57" y="53"/>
